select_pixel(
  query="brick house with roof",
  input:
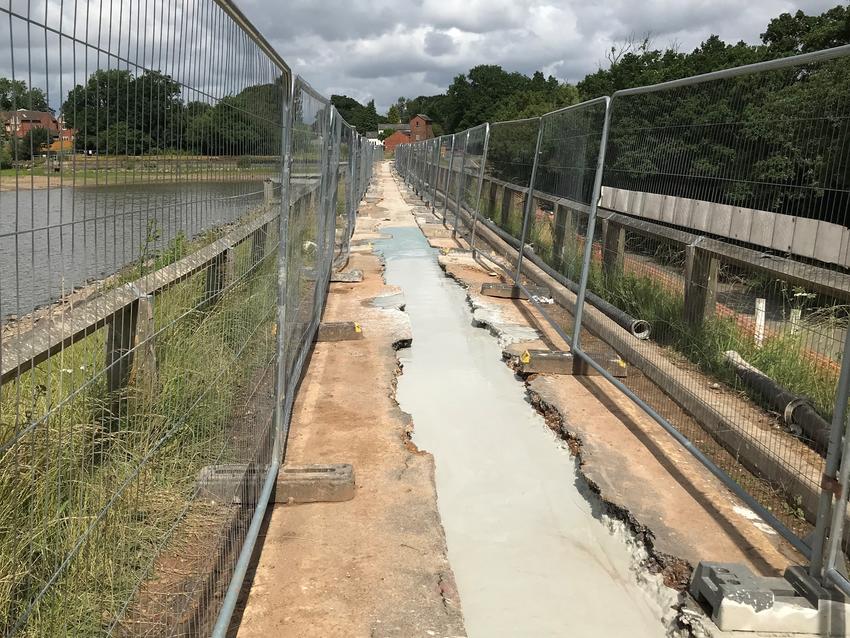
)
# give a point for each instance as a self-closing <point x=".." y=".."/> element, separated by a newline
<point x="419" y="128"/>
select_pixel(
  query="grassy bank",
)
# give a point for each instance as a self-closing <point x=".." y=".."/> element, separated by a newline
<point x="100" y="489"/>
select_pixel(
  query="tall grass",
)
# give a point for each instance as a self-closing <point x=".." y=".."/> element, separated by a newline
<point x="55" y="486"/>
<point x="781" y="356"/>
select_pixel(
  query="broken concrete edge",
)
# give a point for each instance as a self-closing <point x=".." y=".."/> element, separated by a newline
<point x="676" y="572"/>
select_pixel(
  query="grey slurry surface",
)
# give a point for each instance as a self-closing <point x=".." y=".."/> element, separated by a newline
<point x="529" y="557"/>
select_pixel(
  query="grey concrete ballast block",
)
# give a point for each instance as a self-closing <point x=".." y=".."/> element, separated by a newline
<point x="549" y="362"/>
<point x="339" y="331"/>
<point x="314" y="484"/>
<point x="348" y="277"/>
<point x="510" y="291"/>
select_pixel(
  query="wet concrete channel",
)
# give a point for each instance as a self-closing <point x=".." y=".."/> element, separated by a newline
<point x="531" y="553"/>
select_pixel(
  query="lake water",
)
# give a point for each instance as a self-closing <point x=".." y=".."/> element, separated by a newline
<point x="52" y="240"/>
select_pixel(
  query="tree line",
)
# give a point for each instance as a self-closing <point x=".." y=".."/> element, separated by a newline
<point x="772" y="141"/>
<point x="119" y="113"/>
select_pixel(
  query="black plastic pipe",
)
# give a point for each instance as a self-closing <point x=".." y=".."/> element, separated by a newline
<point x="794" y="408"/>
<point x="639" y="328"/>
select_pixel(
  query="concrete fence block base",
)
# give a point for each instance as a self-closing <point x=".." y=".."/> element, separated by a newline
<point x="339" y="331"/>
<point x="348" y="277"/>
<point x="314" y="484"/>
<point x="510" y="291"/>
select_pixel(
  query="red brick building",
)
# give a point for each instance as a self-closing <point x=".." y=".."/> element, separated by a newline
<point x="398" y="137"/>
<point x="20" y="122"/>
<point x="419" y="129"/>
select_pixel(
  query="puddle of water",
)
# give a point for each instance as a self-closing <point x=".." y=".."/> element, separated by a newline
<point x="528" y="555"/>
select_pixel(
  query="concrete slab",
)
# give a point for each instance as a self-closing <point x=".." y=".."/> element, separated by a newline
<point x="314" y="484"/>
<point x="395" y="300"/>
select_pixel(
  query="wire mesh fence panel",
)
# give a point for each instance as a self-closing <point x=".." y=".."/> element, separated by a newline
<point x="458" y="149"/>
<point x="344" y="208"/>
<point x="434" y="176"/>
<point x="311" y="121"/>
<point x="138" y="270"/>
<point x="141" y="262"/>
<point x="742" y="163"/>
<point x="471" y="182"/>
<point x="421" y="167"/>
<point x="507" y="176"/>
<point x="445" y="165"/>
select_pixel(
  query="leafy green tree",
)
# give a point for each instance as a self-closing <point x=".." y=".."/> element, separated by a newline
<point x="393" y="116"/>
<point x="5" y="155"/>
<point x="120" y="138"/>
<point x="31" y="144"/>
<point x="801" y="33"/>
<point x="363" y="118"/>
<point x="149" y="104"/>
<point x="14" y="95"/>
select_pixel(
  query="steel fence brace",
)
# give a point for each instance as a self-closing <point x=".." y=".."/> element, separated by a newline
<point x="529" y="201"/>
<point x="480" y="185"/>
<point x="461" y="179"/>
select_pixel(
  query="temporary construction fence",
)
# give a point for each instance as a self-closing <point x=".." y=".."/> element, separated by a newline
<point x="176" y="202"/>
<point x="701" y="229"/>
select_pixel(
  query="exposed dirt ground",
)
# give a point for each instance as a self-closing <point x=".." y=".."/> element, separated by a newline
<point x="375" y="565"/>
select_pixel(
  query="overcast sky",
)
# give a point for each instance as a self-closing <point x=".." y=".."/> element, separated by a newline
<point x="384" y="49"/>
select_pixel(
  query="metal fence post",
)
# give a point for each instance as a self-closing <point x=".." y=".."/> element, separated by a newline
<point x="279" y="423"/>
<point x="832" y="464"/>
<point x="480" y="185"/>
<point x="840" y="487"/>
<point x="437" y="149"/>
<point x="529" y="200"/>
<point x="448" y="182"/>
<point x="461" y="178"/>
<point x="591" y="225"/>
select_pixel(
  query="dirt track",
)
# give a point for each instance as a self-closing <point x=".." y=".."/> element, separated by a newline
<point x="376" y="565"/>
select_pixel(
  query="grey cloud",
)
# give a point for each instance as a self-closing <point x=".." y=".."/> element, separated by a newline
<point x="385" y="48"/>
<point x="439" y="43"/>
